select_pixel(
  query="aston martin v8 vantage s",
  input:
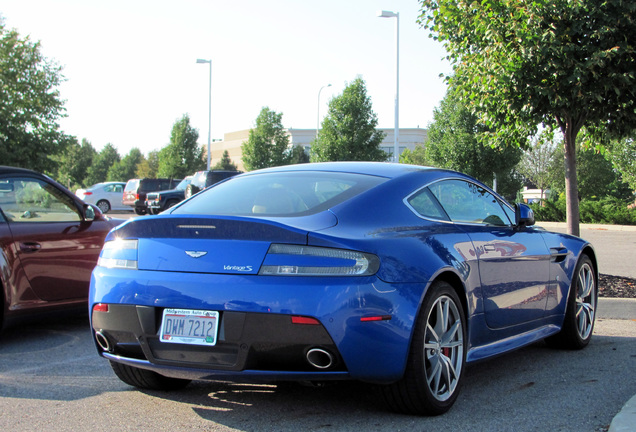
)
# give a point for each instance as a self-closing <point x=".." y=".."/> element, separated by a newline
<point x="386" y="273"/>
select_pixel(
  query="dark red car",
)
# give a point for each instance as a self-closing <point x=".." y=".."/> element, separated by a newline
<point x="49" y="244"/>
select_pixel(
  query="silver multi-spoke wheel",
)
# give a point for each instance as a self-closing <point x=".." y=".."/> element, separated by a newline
<point x="585" y="301"/>
<point x="435" y="365"/>
<point x="443" y="348"/>
<point x="580" y="310"/>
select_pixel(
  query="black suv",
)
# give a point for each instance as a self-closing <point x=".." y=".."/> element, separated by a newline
<point x="136" y="190"/>
<point x="157" y="202"/>
<point x="203" y="179"/>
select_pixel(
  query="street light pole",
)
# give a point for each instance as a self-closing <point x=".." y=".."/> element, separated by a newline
<point x="318" y="121"/>
<point x="396" y="137"/>
<point x="209" y="108"/>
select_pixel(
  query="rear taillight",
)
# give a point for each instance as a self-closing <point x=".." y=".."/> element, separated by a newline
<point x="119" y="254"/>
<point x="298" y="260"/>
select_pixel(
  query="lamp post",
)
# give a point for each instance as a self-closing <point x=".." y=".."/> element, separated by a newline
<point x="209" y="107"/>
<point x="396" y="137"/>
<point x="318" y="121"/>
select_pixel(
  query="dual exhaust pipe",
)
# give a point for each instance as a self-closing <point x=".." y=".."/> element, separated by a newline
<point x="320" y="358"/>
<point x="317" y="357"/>
<point x="102" y="341"/>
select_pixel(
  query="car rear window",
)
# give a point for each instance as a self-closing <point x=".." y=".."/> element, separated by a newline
<point x="131" y="185"/>
<point x="279" y="194"/>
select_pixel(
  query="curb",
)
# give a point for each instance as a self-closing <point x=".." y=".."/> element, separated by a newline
<point x="616" y="308"/>
<point x="625" y="420"/>
<point x="620" y="308"/>
<point x="599" y="227"/>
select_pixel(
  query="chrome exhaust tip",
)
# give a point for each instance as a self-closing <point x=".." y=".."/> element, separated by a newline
<point x="320" y="358"/>
<point x="102" y="341"/>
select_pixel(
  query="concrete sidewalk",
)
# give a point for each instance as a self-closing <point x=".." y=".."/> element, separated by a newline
<point x="620" y="308"/>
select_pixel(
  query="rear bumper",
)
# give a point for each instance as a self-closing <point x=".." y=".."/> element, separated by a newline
<point x="256" y="336"/>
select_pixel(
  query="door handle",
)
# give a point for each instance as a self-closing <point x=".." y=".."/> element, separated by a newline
<point x="30" y="247"/>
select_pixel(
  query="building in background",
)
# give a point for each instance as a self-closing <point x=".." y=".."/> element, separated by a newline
<point x="232" y="142"/>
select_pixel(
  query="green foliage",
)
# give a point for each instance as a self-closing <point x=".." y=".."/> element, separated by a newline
<point x="73" y="163"/>
<point x="349" y="130"/>
<point x="182" y="157"/>
<point x="623" y="157"/>
<point x="453" y="142"/>
<point x="415" y="157"/>
<point x="126" y="168"/>
<point x="149" y="166"/>
<point x="267" y="145"/>
<point x="607" y="210"/>
<point x="298" y="155"/>
<point x="597" y="177"/>
<point x="225" y="163"/>
<point x="98" y="171"/>
<point x="538" y="164"/>
<point x="30" y="104"/>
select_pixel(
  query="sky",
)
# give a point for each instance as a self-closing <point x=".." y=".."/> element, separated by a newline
<point x="130" y="65"/>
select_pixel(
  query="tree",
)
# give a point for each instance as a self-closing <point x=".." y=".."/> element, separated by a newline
<point x="298" y="155"/>
<point x="267" y="144"/>
<point x="30" y="104"/>
<point x="182" y="157"/>
<point x="349" y="130"/>
<point x="537" y="162"/>
<point x="98" y="171"/>
<point x="453" y="142"/>
<point x="149" y="166"/>
<point x="596" y="174"/>
<point x="415" y="157"/>
<point x="126" y="168"/>
<point x="567" y="64"/>
<point x="225" y="163"/>
<point x="623" y="156"/>
<point x="73" y="163"/>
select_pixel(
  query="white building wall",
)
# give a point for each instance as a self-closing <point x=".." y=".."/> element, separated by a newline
<point x="232" y="142"/>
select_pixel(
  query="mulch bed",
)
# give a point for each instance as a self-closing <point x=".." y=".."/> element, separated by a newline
<point x="616" y="286"/>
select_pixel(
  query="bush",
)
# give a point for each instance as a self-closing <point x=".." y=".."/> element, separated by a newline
<point x="608" y="210"/>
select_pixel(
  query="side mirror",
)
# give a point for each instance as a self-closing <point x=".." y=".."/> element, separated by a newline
<point x="91" y="213"/>
<point x="524" y="216"/>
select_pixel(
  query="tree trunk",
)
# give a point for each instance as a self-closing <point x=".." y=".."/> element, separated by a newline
<point x="570" y="131"/>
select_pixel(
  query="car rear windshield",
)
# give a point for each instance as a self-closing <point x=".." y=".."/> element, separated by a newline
<point x="279" y="194"/>
<point x="131" y="185"/>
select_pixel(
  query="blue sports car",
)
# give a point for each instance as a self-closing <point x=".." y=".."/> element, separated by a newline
<point x="386" y="273"/>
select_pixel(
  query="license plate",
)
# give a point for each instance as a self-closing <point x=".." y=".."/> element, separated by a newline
<point x="187" y="326"/>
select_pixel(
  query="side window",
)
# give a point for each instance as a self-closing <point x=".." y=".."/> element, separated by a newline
<point x="118" y="188"/>
<point x="466" y="202"/>
<point x="424" y="204"/>
<point x="37" y="201"/>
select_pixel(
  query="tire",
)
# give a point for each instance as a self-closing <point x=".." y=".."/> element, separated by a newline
<point x="171" y="203"/>
<point x="435" y="366"/>
<point x="104" y="206"/>
<point x="140" y="211"/>
<point x="580" y="312"/>
<point x="146" y="379"/>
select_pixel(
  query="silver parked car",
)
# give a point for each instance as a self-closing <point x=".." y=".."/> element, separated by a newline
<point x="107" y="196"/>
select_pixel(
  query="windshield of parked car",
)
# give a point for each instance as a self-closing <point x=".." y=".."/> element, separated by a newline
<point x="184" y="183"/>
<point x="279" y="194"/>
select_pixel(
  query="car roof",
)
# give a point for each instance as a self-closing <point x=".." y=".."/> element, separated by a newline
<point x="383" y="169"/>
<point x="15" y="170"/>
